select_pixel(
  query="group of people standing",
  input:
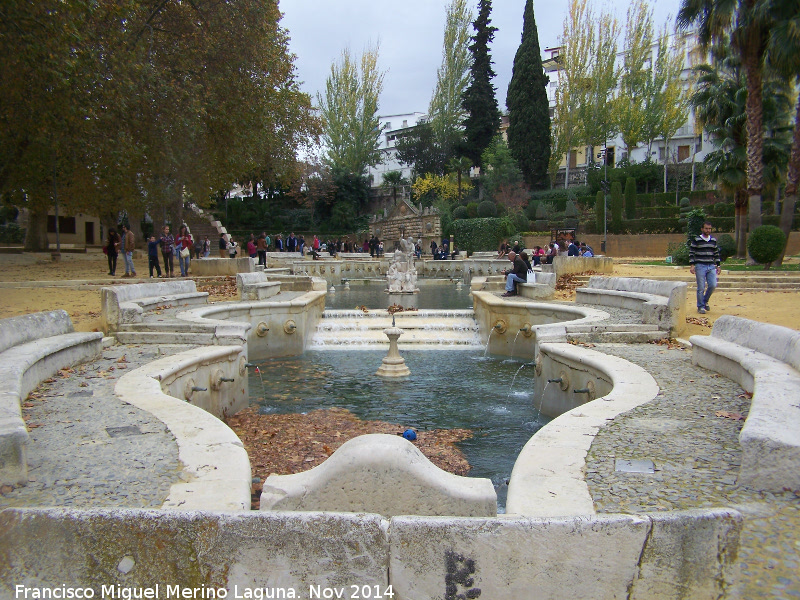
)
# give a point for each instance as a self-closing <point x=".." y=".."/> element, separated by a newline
<point x="166" y="248"/>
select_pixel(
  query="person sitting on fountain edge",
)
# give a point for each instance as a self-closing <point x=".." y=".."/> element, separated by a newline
<point x="519" y="274"/>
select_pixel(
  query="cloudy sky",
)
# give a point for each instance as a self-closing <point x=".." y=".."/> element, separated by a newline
<point x="410" y="34"/>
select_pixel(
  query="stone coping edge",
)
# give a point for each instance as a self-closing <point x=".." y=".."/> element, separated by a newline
<point x="548" y="478"/>
<point x="690" y="554"/>
<point x="216" y="469"/>
<point x="770" y="437"/>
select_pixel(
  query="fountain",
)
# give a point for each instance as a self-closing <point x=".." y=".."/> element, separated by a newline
<point x="402" y="275"/>
<point x="393" y="365"/>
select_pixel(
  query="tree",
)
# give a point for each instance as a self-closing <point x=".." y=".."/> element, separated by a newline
<point x="670" y="99"/>
<point x="124" y="106"/>
<point x="749" y="23"/>
<point x="479" y="101"/>
<point x="459" y="166"/>
<point x="445" y="111"/>
<point x="576" y="43"/>
<point x="421" y="150"/>
<point x="391" y="181"/>
<point x="630" y="198"/>
<point x="638" y="52"/>
<point x="528" y="107"/>
<point x="349" y="112"/>
<point x="596" y="111"/>
<point x="783" y="52"/>
<point x="719" y="101"/>
<point x="501" y="168"/>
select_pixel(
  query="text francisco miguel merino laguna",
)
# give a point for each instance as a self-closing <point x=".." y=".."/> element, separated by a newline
<point x="63" y="592"/>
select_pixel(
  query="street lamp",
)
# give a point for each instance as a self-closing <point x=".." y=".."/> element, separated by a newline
<point x="604" y="186"/>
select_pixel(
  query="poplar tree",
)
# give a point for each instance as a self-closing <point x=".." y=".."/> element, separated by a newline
<point x="479" y="101"/>
<point x="631" y="110"/>
<point x="349" y="109"/>
<point x="445" y="112"/>
<point x="528" y="108"/>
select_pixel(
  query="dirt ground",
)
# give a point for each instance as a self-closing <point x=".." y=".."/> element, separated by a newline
<point x="83" y="305"/>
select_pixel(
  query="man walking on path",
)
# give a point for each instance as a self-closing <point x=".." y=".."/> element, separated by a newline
<point x="704" y="261"/>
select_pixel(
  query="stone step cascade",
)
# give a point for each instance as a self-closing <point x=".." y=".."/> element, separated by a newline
<point x="424" y="329"/>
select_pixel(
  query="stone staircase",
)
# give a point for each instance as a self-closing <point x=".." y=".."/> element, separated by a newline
<point x="355" y="329"/>
<point x="200" y="225"/>
<point x="734" y="281"/>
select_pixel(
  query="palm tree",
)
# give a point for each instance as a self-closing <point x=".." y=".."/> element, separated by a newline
<point x="783" y="54"/>
<point x="392" y="180"/>
<point x="719" y="101"/>
<point x="460" y="166"/>
<point x="748" y="23"/>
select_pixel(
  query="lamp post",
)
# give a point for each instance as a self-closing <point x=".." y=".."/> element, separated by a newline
<point x="604" y="185"/>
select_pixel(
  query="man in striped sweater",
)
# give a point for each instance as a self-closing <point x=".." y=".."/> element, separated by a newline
<point x="704" y="261"/>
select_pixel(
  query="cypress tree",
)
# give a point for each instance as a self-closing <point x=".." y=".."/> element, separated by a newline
<point x="616" y="206"/>
<point x="630" y="198"/>
<point x="528" y="108"/>
<point x="600" y="212"/>
<point x="479" y="102"/>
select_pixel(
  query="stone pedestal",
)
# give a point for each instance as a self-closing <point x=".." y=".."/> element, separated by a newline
<point x="393" y="365"/>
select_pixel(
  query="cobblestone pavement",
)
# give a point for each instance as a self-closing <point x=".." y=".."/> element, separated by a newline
<point x="88" y="449"/>
<point x="696" y="457"/>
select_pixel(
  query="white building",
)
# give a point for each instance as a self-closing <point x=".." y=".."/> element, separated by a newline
<point x="687" y="145"/>
<point x="392" y="127"/>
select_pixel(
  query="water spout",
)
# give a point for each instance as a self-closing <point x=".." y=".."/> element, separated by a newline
<point x="197" y="388"/>
<point x="227" y="379"/>
<point x="582" y="391"/>
<point x="556" y="380"/>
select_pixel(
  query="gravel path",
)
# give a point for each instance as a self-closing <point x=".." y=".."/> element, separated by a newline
<point x="88" y="449"/>
<point x="696" y="456"/>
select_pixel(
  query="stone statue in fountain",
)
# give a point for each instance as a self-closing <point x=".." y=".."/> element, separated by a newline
<point x="402" y="275"/>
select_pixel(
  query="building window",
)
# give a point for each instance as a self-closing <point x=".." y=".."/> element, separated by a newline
<point x="388" y="124"/>
<point x="65" y="224"/>
<point x="699" y="145"/>
<point x="405" y="122"/>
<point x="683" y="153"/>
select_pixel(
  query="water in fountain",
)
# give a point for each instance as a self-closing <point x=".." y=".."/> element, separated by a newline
<point x="447" y="389"/>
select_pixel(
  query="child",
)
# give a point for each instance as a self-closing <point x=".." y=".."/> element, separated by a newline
<point x="152" y="255"/>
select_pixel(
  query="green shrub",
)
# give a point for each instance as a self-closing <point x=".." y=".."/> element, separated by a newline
<point x="694" y="222"/>
<point x="599" y="212"/>
<point x="481" y="234"/>
<point x="630" y="198"/>
<point x="460" y="212"/>
<point x="472" y="210"/>
<point x="679" y="253"/>
<point x="11" y="233"/>
<point x="541" y="225"/>
<point x="487" y="208"/>
<point x="570" y="210"/>
<point x="727" y="246"/>
<point x="765" y="244"/>
<point x="661" y="212"/>
<point x="545" y="210"/>
<point x="616" y="206"/>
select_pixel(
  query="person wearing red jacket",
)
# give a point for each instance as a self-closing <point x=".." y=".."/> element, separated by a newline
<point x="184" y="242"/>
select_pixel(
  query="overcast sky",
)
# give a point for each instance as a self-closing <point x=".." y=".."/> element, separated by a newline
<point x="410" y="34"/>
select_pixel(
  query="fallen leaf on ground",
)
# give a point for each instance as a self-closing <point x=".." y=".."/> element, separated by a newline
<point x="730" y="415"/>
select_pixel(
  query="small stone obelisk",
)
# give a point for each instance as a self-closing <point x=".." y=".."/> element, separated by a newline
<point x="393" y="365"/>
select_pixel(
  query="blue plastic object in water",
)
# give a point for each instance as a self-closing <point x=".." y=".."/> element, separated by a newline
<point x="410" y="435"/>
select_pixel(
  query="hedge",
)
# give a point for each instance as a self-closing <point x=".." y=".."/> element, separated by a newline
<point x="473" y="235"/>
<point x="658" y="212"/>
